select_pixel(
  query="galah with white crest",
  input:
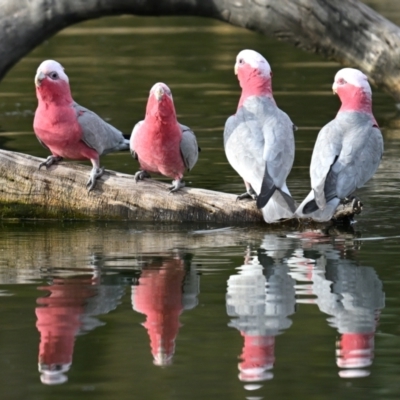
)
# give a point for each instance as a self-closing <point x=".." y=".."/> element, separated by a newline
<point x="348" y="149"/>
<point x="259" y="140"/>
<point x="160" y="143"/>
<point x="67" y="129"/>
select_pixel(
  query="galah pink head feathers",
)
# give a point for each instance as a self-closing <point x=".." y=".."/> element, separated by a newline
<point x="254" y="74"/>
<point x="52" y="83"/>
<point x="160" y="103"/>
<point x="353" y="89"/>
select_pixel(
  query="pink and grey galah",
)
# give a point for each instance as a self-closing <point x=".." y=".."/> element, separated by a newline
<point x="348" y="149"/>
<point x="67" y="129"/>
<point x="259" y="140"/>
<point x="160" y="143"/>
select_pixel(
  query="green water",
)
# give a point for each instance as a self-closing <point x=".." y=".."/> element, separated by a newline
<point x="77" y="294"/>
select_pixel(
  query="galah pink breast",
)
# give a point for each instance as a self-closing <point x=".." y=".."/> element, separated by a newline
<point x="160" y="143"/>
<point x="348" y="149"/>
<point x="67" y="129"/>
<point x="259" y="140"/>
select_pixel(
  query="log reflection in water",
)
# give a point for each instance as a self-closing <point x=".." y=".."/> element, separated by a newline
<point x="78" y="245"/>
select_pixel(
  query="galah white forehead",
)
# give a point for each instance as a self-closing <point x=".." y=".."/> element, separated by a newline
<point x="255" y="60"/>
<point x="354" y="77"/>
<point x="159" y="89"/>
<point x="49" y="66"/>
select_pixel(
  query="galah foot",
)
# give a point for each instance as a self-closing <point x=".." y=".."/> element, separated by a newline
<point x="140" y="175"/>
<point x="94" y="174"/>
<point x="50" y="160"/>
<point x="250" y="194"/>
<point x="176" y="185"/>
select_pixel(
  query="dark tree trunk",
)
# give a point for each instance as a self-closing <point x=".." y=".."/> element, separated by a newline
<point x="346" y="31"/>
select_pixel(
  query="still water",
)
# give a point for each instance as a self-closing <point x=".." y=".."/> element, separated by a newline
<point x="106" y="310"/>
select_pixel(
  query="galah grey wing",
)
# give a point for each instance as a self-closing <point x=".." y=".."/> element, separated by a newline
<point x="98" y="134"/>
<point x="278" y="154"/>
<point x="277" y="129"/>
<point x="359" y="159"/>
<point x="135" y="131"/>
<point x="189" y="147"/>
<point x="244" y="143"/>
<point x="278" y="148"/>
<point x="326" y="152"/>
<point x="346" y="155"/>
<point x="259" y="145"/>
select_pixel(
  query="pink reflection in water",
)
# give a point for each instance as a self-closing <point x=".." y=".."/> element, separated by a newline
<point x="59" y="321"/>
<point x="163" y="292"/>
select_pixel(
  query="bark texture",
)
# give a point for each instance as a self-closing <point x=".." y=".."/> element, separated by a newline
<point x="346" y="31"/>
<point x="60" y="193"/>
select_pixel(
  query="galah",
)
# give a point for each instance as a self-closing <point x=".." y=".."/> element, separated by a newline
<point x="259" y="140"/>
<point x="348" y="149"/>
<point x="67" y="129"/>
<point x="160" y="143"/>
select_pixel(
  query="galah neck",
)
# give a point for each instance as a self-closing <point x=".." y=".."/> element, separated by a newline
<point x="355" y="100"/>
<point x="58" y="93"/>
<point x="254" y="85"/>
<point x="160" y="112"/>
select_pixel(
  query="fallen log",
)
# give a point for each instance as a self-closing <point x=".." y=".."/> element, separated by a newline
<point x="346" y="31"/>
<point x="60" y="193"/>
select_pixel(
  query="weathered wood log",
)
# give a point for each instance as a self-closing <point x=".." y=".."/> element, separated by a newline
<point x="346" y="31"/>
<point x="60" y="193"/>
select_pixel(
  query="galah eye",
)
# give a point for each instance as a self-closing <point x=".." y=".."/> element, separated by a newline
<point x="341" y="81"/>
<point x="241" y="61"/>
<point x="53" y="75"/>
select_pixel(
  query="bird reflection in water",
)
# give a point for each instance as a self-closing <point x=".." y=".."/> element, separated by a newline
<point x="351" y="294"/>
<point x="260" y="297"/>
<point x="167" y="286"/>
<point x="69" y="309"/>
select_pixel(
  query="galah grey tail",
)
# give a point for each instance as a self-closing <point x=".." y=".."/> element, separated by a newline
<point x="189" y="148"/>
<point x="100" y="136"/>
<point x="348" y="150"/>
